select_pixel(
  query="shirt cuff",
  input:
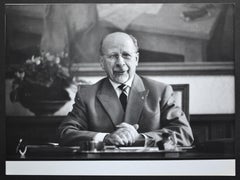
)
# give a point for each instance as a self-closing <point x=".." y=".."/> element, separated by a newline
<point x="149" y="141"/>
<point x="145" y="140"/>
<point x="99" y="136"/>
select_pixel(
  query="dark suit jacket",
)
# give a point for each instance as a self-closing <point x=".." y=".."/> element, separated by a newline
<point x="150" y="104"/>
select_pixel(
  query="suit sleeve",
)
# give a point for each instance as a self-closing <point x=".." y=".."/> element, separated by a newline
<point x="74" y="129"/>
<point x="173" y="119"/>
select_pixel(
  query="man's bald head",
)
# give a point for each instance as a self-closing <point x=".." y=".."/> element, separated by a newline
<point x="117" y="36"/>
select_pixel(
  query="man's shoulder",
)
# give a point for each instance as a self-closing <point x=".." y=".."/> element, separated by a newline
<point x="153" y="83"/>
<point x="156" y="88"/>
<point x="89" y="89"/>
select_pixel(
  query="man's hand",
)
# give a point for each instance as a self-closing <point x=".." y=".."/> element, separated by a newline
<point x="125" y="135"/>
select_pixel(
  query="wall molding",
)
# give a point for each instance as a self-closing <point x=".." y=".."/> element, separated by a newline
<point x="162" y="68"/>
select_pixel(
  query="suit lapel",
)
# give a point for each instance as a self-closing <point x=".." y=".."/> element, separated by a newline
<point x="108" y="98"/>
<point x="136" y="101"/>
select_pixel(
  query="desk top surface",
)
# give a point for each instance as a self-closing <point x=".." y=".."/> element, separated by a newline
<point x="74" y="153"/>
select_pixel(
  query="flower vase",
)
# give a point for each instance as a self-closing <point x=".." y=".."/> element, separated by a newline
<point x="43" y="101"/>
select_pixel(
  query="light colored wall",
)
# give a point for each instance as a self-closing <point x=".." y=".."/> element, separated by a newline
<point x="208" y="94"/>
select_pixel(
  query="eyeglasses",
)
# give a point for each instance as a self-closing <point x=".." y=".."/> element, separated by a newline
<point x="124" y="55"/>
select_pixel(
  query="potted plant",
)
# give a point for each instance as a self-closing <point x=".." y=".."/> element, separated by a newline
<point x="40" y="83"/>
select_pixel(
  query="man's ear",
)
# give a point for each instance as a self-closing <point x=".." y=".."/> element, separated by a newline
<point x="137" y="57"/>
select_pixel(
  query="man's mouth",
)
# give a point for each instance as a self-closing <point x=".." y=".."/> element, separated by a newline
<point x="120" y="72"/>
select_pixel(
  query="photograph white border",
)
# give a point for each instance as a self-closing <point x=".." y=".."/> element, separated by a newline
<point x="122" y="168"/>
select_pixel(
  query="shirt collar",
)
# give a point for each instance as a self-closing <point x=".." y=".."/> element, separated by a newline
<point x="128" y="83"/>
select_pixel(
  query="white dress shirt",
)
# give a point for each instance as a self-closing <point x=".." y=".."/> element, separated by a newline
<point x="119" y="91"/>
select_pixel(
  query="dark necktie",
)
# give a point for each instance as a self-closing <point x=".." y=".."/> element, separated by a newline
<point x="123" y="96"/>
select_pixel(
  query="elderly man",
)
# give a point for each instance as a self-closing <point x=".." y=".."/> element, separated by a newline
<point x="124" y="109"/>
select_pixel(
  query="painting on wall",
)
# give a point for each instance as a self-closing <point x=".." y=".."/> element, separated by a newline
<point x="172" y="35"/>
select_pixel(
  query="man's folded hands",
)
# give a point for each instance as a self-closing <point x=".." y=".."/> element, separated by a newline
<point x="124" y="135"/>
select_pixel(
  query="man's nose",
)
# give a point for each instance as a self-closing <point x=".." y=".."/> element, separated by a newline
<point x="120" y="61"/>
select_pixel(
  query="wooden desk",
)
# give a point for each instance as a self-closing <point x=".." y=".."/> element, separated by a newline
<point x="73" y="153"/>
<point x="126" y="156"/>
<point x="167" y="32"/>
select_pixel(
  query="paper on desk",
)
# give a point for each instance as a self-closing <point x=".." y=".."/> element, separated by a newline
<point x="121" y="15"/>
<point x="139" y="149"/>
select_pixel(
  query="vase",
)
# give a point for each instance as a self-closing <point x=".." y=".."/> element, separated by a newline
<point x="43" y="101"/>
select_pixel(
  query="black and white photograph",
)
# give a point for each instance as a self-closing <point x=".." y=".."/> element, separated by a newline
<point x="147" y="89"/>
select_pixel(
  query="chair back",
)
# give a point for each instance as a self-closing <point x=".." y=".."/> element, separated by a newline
<point x="181" y="94"/>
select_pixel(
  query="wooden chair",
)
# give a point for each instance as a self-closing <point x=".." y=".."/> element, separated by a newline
<point x="181" y="93"/>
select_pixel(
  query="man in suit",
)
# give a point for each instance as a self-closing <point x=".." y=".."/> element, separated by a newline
<point x="124" y="109"/>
